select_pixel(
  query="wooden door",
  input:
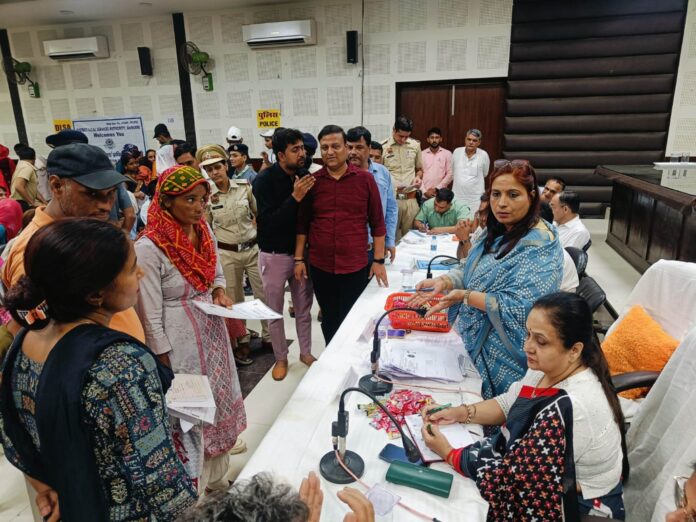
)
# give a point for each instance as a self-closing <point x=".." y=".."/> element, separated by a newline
<point x="455" y="107"/>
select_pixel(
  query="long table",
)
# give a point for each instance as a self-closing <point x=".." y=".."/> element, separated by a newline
<point x="301" y="434"/>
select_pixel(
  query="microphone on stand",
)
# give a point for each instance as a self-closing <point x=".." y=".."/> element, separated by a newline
<point x="429" y="274"/>
<point x="329" y="466"/>
<point x="370" y="383"/>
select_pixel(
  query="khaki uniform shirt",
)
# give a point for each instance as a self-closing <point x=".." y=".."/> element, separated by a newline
<point x="402" y="161"/>
<point x="231" y="214"/>
<point x="27" y="172"/>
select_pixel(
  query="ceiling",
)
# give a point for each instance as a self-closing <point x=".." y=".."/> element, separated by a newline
<point x="21" y="13"/>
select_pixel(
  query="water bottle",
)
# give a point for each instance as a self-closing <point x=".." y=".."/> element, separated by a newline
<point x="433" y="243"/>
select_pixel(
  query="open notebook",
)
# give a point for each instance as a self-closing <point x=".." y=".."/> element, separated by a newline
<point x="457" y="435"/>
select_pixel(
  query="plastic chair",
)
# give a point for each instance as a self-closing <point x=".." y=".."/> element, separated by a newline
<point x="587" y="245"/>
<point x="579" y="257"/>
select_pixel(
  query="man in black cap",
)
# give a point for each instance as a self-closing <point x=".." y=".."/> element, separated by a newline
<point x="162" y="134"/>
<point x="66" y="137"/>
<point x="239" y="156"/>
<point x="83" y="182"/>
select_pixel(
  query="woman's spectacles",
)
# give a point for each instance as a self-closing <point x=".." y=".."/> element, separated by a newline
<point x="680" y="498"/>
<point x="514" y="163"/>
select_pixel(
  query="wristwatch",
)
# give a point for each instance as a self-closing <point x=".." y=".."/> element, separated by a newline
<point x="378" y="261"/>
<point x="467" y="293"/>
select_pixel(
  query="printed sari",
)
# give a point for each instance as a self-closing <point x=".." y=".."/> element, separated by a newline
<point x="494" y="338"/>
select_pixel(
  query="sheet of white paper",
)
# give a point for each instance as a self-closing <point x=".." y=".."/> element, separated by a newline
<point x="457" y="435"/>
<point x="185" y="425"/>
<point x="190" y="390"/>
<point x="255" y="309"/>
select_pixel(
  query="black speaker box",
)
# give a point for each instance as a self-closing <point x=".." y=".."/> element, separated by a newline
<point x="352" y="46"/>
<point x="145" y="61"/>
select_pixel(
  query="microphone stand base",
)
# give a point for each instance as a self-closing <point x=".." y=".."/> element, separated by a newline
<point x="374" y="387"/>
<point x="331" y="469"/>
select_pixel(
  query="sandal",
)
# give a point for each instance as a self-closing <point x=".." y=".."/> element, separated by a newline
<point x="243" y="360"/>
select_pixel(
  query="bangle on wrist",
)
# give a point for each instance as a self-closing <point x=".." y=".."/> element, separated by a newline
<point x="298" y="261"/>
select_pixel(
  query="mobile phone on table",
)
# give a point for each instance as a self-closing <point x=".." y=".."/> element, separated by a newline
<point x="392" y="452"/>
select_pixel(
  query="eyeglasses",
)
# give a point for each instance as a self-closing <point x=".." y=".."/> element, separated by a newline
<point x="680" y="498"/>
<point x="514" y="163"/>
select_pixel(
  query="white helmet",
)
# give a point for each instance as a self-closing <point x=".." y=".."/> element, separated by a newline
<point x="234" y="134"/>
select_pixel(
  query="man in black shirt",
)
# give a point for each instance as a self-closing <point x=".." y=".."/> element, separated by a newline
<point x="278" y="191"/>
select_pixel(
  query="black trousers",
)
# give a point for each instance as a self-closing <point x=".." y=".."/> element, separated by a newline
<point x="336" y="295"/>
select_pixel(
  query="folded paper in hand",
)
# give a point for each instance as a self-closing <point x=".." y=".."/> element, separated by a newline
<point x="190" y="399"/>
<point x="254" y="309"/>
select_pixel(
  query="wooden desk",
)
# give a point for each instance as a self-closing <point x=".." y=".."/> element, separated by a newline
<point x="648" y="220"/>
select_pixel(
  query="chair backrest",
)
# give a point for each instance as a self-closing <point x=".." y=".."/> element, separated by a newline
<point x="579" y="257"/>
<point x="587" y="245"/>
<point x="662" y="438"/>
<point x="667" y="292"/>
<point x="590" y="290"/>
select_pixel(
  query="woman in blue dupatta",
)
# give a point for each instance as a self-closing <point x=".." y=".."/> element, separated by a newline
<point x="517" y="260"/>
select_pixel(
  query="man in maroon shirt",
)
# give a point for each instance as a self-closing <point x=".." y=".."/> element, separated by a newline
<point x="334" y="216"/>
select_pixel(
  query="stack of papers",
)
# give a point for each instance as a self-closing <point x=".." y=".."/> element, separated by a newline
<point x="254" y="309"/>
<point x="191" y="400"/>
<point x="457" y="435"/>
<point x="443" y="362"/>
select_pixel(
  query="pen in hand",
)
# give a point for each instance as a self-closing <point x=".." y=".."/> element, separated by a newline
<point x="439" y="408"/>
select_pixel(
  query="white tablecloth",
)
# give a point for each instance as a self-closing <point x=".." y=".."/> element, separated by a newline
<point x="301" y="434"/>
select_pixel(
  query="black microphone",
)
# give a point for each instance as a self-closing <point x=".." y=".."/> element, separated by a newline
<point x="371" y="383"/>
<point x="429" y="274"/>
<point x="331" y="469"/>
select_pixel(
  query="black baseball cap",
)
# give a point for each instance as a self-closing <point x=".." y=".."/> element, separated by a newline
<point x="161" y="130"/>
<point x="86" y="164"/>
<point x="65" y="137"/>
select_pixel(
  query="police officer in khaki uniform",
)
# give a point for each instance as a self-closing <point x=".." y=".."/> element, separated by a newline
<point x="401" y="154"/>
<point x="231" y="213"/>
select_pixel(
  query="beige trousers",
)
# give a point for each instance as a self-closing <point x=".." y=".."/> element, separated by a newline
<point x="234" y="265"/>
<point x="214" y="473"/>
<point x="408" y="209"/>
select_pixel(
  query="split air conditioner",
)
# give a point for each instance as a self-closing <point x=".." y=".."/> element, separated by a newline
<point x="77" y="48"/>
<point x="280" y="34"/>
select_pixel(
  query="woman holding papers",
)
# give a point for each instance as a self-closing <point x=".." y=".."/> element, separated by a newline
<point x="179" y="256"/>
<point x="516" y="261"/>
<point x="82" y="408"/>
<point x="563" y="451"/>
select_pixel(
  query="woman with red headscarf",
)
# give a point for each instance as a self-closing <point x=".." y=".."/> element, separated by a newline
<point x="178" y="253"/>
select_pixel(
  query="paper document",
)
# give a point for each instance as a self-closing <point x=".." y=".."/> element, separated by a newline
<point x="191" y="399"/>
<point x="420" y="359"/>
<point x="457" y="435"/>
<point x="255" y="309"/>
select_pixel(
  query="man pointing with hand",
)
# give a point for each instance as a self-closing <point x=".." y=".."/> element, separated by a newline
<point x="333" y="219"/>
<point x="278" y="191"/>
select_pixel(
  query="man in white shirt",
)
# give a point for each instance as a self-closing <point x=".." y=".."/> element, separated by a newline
<point x="571" y="231"/>
<point x="470" y="166"/>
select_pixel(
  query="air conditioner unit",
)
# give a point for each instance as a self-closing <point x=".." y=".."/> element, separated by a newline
<point x="77" y="48"/>
<point x="280" y="34"/>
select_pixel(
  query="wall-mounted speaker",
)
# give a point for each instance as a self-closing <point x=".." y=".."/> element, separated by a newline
<point x="352" y="46"/>
<point x="145" y="61"/>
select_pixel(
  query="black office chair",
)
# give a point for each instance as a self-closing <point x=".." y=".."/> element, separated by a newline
<point x="579" y="257"/>
<point x="587" y="245"/>
<point x="591" y="292"/>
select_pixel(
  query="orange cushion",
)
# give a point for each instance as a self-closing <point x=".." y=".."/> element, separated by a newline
<point x="638" y="343"/>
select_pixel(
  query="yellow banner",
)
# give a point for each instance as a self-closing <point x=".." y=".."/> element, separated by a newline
<point x="59" y="125"/>
<point x="268" y="118"/>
